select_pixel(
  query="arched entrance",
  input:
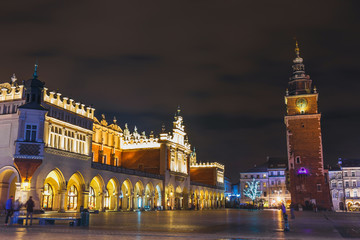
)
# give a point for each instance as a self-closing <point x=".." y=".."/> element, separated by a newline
<point x="196" y="199"/>
<point x="341" y="206"/>
<point x="97" y="185"/>
<point x="149" y="196"/>
<point x="202" y="200"/>
<point x="111" y="200"/>
<point x="9" y="176"/>
<point x="138" y="195"/>
<point x="206" y="204"/>
<point x="74" y="192"/>
<point x="125" y="195"/>
<point x="157" y="198"/>
<point x="170" y="195"/>
<point x="51" y="194"/>
<point x="178" y="198"/>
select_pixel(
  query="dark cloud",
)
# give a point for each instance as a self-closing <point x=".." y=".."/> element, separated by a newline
<point x="226" y="63"/>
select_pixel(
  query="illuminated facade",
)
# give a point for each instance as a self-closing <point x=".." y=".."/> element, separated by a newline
<point x="55" y="149"/>
<point x="345" y="178"/>
<point x="308" y="180"/>
<point x="271" y="176"/>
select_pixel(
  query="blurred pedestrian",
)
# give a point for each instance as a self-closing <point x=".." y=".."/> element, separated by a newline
<point x="17" y="206"/>
<point x="29" y="210"/>
<point x="9" y="209"/>
<point x="292" y="209"/>
<point x="283" y="208"/>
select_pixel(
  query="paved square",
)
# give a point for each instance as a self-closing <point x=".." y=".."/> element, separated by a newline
<point x="208" y="224"/>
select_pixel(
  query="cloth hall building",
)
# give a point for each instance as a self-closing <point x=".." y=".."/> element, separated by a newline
<point x="55" y="149"/>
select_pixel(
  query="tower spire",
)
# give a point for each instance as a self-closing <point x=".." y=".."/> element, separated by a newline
<point x="35" y="70"/>
<point x="297" y="49"/>
<point x="299" y="83"/>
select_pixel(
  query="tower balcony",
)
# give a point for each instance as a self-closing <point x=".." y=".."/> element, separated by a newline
<point x="29" y="150"/>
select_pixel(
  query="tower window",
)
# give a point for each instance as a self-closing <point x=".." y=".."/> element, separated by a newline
<point x="318" y="186"/>
<point x="30" y="133"/>
<point x="297" y="159"/>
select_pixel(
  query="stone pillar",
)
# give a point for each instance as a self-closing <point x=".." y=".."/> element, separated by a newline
<point x="152" y="200"/>
<point x="116" y="207"/>
<point x="62" y="194"/>
<point x="85" y="199"/>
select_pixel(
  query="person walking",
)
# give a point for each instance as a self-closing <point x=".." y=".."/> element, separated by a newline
<point x="29" y="210"/>
<point x="17" y="206"/>
<point x="9" y="209"/>
<point x="292" y="208"/>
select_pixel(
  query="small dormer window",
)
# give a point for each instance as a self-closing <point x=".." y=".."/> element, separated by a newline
<point x="30" y="133"/>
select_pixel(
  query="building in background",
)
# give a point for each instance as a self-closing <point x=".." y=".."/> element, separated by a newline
<point x="344" y="181"/>
<point x="308" y="179"/>
<point x="55" y="149"/>
<point x="272" y="183"/>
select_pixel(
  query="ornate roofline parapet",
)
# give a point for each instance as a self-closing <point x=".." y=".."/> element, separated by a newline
<point x="54" y="98"/>
<point x="208" y="164"/>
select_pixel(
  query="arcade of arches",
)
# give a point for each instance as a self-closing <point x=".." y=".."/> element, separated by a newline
<point x="114" y="195"/>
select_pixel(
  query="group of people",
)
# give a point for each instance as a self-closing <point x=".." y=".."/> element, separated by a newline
<point x="13" y="208"/>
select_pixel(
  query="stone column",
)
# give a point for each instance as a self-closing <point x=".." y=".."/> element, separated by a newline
<point x="152" y="200"/>
<point x="85" y="199"/>
<point x="62" y="194"/>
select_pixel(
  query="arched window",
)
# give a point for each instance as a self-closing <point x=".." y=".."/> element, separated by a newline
<point x="47" y="197"/>
<point x="72" y="198"/>
<point x="92" y="202"/>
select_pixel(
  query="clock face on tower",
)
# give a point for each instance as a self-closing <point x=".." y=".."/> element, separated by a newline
<point x="301" y="103"/>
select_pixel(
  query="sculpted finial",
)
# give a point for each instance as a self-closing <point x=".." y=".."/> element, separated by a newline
<point x="13" y="78"/>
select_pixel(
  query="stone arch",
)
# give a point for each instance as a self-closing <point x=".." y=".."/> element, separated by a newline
<point x="202" y="200"/>
<point x="126" y="195"/>
<point x="97" y="193"/>
<point x="178" y="198"/>
<point x="170" y="197"/>
<point x="158" y="197"/>
<point x="74" y="191"/>
<point x="9" y="176"/>
<point x="112" y="188"/>
<point x="206" y="203"/>
<point x="217" y="200"/>
<point x="149" y="196"/>
<point x="196" y="199"/>
<point x="52" y="188"/>
<point x="138" y="195"/>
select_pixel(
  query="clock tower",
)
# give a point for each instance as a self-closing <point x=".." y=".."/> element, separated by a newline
<point x="308" y="179"/>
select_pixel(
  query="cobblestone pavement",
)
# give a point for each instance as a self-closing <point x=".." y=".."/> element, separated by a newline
<point x="208" y="224"/>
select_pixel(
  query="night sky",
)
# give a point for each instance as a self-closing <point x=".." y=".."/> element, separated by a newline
<point x="226" y="63"/>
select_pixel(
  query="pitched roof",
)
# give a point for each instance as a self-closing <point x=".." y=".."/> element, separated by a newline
<point x="350" y="162"/>
<point x="261" y="168"/>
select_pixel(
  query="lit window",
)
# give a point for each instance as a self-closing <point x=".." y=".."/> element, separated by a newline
<point x="30" y="133"/>
<point x="347" y="194"/>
